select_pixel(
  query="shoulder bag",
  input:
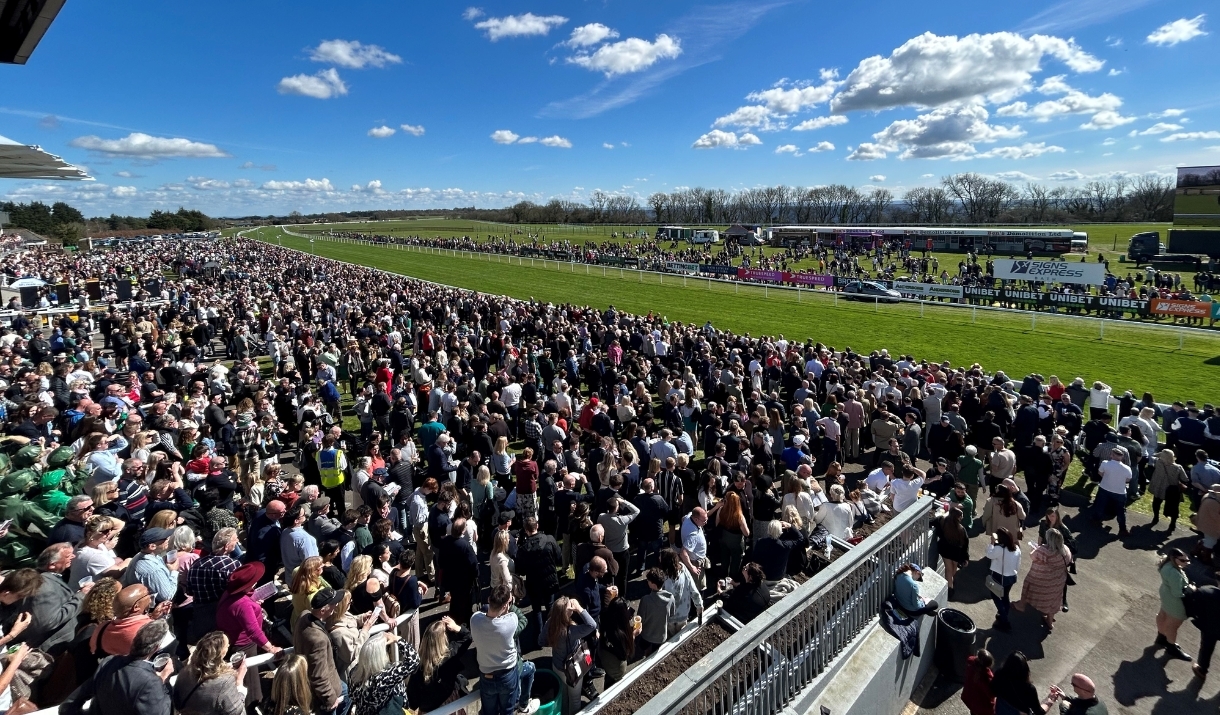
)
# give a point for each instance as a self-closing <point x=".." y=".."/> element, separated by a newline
<point x="577" y="664"/>
<point x="996" y="588"/>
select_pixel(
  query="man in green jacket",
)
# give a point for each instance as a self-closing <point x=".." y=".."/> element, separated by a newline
<point x="969" y="470"/>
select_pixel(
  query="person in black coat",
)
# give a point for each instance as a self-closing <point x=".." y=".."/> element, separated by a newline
<point x="538" y="560"/>
<point x="1204" y="605"/>
<point x="129" y="685"/>
<point x="749" y="598"/>
<point x="773" y="551"/>
<point x="459" y="570"/>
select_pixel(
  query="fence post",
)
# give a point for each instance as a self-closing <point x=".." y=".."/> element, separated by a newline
<point x="735" y="287"/>
<point x="921" y="308"/>
<point x="798" y="294"/>
<point x="974" y="313"/>
<point x="1101" y="328"/>
<point x="876" y="304"/>
<point x="766" y="291"/>
<point x="1181" y="338"/>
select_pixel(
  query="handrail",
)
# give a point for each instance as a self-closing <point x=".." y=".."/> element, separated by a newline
<point x="804" y="631"/>
<point x="799" y="290"/>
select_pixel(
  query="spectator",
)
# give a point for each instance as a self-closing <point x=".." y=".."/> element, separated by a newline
<point x="129" y="684"/>
<point x="440" y="662"/>
<point x="291" y="693"/>
<point x="240" y="618"/>
<point x="506" y="679"/>
<point x="311" y="640"/>
<point x="566" y="628"/>
<point x="378" y="684"/>
<point x="209" y="685"/>
<point x="749" y="597"/>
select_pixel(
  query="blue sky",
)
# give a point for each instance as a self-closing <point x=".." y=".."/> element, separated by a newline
<point x="253" y="108"/>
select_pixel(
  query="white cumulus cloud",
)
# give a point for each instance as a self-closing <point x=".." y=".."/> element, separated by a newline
<point x="877" y="177"/>
<point x="504" y="136"/>
<point x="820" y="122"/>
<point x="607" y="145"/>
<point x="720" y="139"/>
<point x="1107" y="119"/>
<point x="591" y="34"/>
<point x="203" y="183"/>
<point x="1071" y="175"/>
<point x="352" y="54"/>
<point x="1158" y="128"/>
<point x="633" y="54"/>
<point x="308" y="185"/>
<point x="123" y="192"/>
<point x="753" y="116"/>
<point x="932" y="70"/>
<point x="415" y="130"/>
<point x="555" y="141"/>
<point x="821" y="147"/>
<point x="144" y="146"/>
<point x="1190" y="136"/>
<point x="945" y="132"/>
<point x="381" y="132"/>
<point x="519" y="25"/>
<point x="323" y="85"/>
<point x="1015" y="176"/>
<point x="1023" y="151"/>
<point x="1103" y="107"/>
<point x="1172" y="33"/>
<point x="472" y="13"/>
<point x="788" y="149"/>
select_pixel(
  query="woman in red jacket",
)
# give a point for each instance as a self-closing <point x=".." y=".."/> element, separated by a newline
<point x="976" y="693"/>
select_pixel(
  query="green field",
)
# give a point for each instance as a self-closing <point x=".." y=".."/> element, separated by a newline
<point x="1172" y="364"/>
<point x="1110" y="240"/>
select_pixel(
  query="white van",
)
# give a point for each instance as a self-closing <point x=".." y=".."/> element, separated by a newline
<point x="702" y="236"/>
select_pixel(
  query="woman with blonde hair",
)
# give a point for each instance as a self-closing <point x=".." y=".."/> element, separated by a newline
<point x="208" y="685"/>
<point x="290" y="691"/>
<point x="501" y="565"/>
<point x="347" y="634"/>
<point x="1048" y="572"/>
<point x="164" y="519"/>
<point x="435" y="683"/>
<point x="1167" y="484"/>
<point x="501" y="460"/>
<point x="365" y="587"/>
<point x="95" y="557"/>
<point x="306" y="581"/>
<point x="379" y="684"/>
<point x="796" y="496"/>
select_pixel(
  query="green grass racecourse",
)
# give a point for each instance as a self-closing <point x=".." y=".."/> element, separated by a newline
<point x="1171" y="364"/>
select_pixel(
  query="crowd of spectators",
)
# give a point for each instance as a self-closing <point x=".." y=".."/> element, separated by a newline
<point x="399" y="489"/>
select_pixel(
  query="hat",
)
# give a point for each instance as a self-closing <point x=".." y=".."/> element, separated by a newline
<point x="381" y="472"/>
<point x="1083" y="682"/>
<point x="506" y="516"/>
<point x="916" y="567"/>
<point x="154" y="536"/>
<point x="944" y="418"/>
<point x="321" y="503"/>
<point x="244" y="578"/>
<point x="798" y="440"/>
<point x="326" y="597"/>
<point x="593" y="401"/>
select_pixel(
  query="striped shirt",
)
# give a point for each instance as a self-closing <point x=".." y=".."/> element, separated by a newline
<point x="670" y="488"/>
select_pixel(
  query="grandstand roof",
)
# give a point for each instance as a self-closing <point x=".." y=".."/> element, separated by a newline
<point x="22" y="25"/>
<point x="18" y="161"/>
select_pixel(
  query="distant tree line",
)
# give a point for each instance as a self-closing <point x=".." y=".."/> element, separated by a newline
<point x="959" y="198"/>
<point x="68" y="224"/>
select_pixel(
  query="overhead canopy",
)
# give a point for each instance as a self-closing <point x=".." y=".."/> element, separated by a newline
<point x="18" y="161"/>
<point x="22" y="25"/>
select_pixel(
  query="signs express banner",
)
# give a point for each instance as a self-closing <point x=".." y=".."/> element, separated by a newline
<point x="1182" y="308"/>
<point x="1023" y="269"/>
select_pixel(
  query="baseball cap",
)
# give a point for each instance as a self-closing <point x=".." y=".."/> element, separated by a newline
<point x="154" y="536"/>
<point x="326" y="597"/>
<point x="321" y="503"/>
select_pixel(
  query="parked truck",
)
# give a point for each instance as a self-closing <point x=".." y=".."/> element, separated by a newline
<point x="1186" y="246"/>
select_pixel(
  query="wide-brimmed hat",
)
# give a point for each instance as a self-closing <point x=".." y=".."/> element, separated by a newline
<point x="244" y="578"/>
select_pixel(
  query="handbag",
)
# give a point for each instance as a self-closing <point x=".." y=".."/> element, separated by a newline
<point x="1069" y="566"/>
<point x="996" y="588"/>
<point x="579" y="662"/>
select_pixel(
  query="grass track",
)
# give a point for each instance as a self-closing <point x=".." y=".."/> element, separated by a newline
<point x="1129" y="357"/>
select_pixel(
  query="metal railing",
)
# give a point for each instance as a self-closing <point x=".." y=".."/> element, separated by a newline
<point x="762" y="667"/>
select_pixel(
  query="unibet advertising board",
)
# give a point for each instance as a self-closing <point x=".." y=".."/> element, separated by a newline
<point x="1050" y="271"/>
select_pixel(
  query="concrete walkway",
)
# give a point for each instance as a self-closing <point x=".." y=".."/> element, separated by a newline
<point x="1108" y="632"/>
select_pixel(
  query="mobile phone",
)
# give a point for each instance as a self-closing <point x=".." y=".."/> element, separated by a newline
<point x="376" y="613"/>
<point x="5" y="524"/>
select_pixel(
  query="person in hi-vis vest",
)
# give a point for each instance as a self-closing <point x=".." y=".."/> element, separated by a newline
<point x="332" y="466"/>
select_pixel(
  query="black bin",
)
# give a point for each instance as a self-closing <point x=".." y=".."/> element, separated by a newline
<point x="954" y="642"/>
